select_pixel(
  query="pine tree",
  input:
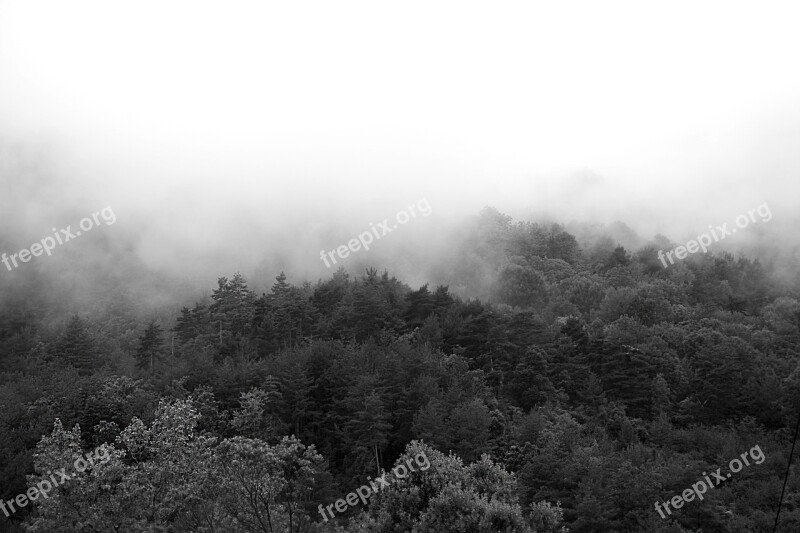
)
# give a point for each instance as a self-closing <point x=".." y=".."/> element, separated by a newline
<point x="184" y="327"/>
<point x="420" y="306"/>
<point x="290" y="313"/>
<point x="151" y="347"/>
<point x="368" y="429"/>
<point x="77" y="347"/>
<point x="234" y="304"/>
<point x="296" y="401"/>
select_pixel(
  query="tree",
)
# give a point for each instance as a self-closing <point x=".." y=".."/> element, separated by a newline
<point x="528" y="384"/>
<point x="267" y="488"/>
<point x="160" y="473"/>
<point x="233" y="304"/>
<point x="661" y="396"/>
<point x="585" y="292"/>
<point x="151" y="346"/>
<point x="521" y="286"/>
<point x="420" y="305"/>
<point x="562" y="245"/>
<point x="287" y="315"/>
<point x="296" y="401"/>
<point x="368" y="427"/>
<point x="468" y="426"/>
<point x="257" y="416"/>
<point x="165" y="477"/>
<point x="184" y="326"/>
<point x="77" y="347"/>
<point x="376" y="305"/>
<point x="447" y="496"/>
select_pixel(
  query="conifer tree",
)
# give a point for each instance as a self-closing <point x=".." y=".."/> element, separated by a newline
<point x="151" y="347"/>
<point x="77" y="347"/>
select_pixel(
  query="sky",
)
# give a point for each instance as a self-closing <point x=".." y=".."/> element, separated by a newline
<point x="229" y="134"/>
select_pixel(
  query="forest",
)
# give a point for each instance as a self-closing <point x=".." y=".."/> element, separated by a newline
<point x="556" y="381"/>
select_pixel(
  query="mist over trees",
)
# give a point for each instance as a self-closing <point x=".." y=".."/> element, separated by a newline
<point x="557" y="380"/>
<point x="255" y="259"/>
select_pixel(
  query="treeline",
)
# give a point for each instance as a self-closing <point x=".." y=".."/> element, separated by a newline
<point x="586" y="384"/>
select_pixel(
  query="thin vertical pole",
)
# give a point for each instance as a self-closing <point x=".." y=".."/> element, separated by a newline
<point x="786" y="477"/>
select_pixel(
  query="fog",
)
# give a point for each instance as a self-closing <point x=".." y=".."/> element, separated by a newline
<point x="250" y="136"/>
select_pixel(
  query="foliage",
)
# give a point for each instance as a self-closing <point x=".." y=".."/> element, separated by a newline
<point x="581" y="383"/>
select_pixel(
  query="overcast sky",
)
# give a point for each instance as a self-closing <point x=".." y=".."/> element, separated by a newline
<point x="213" y="123"/>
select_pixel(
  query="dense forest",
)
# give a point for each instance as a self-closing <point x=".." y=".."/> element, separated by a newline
<point x="580" y="385"/>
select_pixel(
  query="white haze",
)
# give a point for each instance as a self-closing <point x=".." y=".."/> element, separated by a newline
<point x="251" y="135"/>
